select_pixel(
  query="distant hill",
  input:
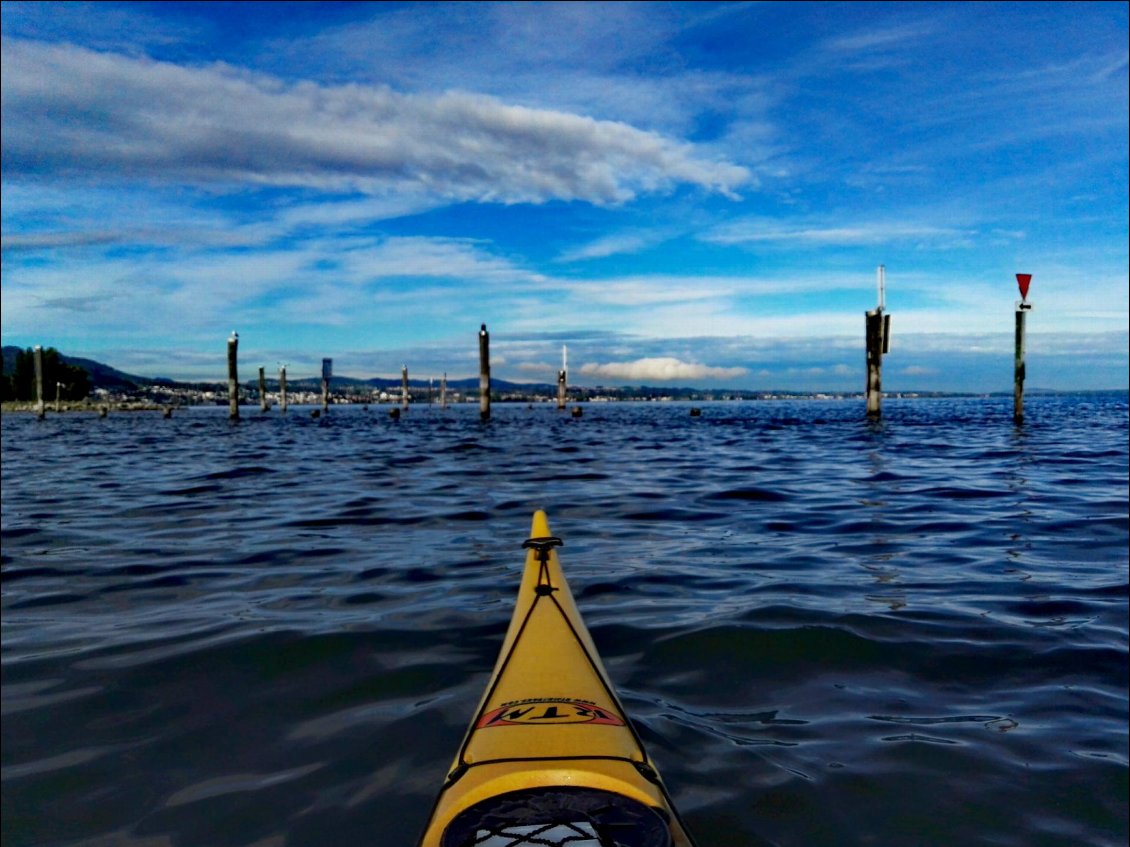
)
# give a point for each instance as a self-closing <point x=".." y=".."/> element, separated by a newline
<point x="112" y="379"/>
<point x="101" y="376"/>
<point x="393" y="384"/>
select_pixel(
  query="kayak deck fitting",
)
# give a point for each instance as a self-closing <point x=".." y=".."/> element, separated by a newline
<point x="550" y="757"/>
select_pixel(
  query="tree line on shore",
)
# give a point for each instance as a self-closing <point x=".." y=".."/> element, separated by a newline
<point x="68" y="382"/>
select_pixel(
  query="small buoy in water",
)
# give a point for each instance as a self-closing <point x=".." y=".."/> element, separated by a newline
<point x="696" y="412"/>
<point x="577" y="411"/>
<point x="315" y="414"/>
<point x="168" y="413"/>
<point x="394" y="414"/>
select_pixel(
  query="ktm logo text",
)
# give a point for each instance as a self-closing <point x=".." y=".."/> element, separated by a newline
<point x="550" y="711"/>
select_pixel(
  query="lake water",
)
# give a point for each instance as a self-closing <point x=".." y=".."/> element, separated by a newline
<point x="828" y="632"/>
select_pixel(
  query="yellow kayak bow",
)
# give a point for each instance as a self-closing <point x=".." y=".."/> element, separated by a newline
<point x="550" y="757"/>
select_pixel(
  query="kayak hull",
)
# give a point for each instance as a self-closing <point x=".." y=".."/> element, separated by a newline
<point x="549" y="733"/>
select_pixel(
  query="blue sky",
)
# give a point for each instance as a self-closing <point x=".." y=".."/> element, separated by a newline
<point x="690" y="194"/>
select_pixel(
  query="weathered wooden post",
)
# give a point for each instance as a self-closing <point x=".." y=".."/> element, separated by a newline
<point x="233" y="376"/>
<point x="878" y="343"/>
<point x="327" y="374"/>
<point x="282" y="388"/>
<point x="443" y="392"/>
<point x="404" y="387"/>
<point x="263" y="404"/>
<point x="38" y="356"/>
<point x="1022" y="309"/>
<point x="484" y="373"/>
<point x="58" y="396"/>
<point x="562" y="377"/>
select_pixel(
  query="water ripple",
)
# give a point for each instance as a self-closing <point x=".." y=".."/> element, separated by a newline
<point x="910" y="632"/>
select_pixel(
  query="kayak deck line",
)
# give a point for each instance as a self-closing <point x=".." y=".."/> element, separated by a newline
<point x="550" y="742"/>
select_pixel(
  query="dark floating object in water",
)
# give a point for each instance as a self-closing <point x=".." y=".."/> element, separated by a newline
<point x="394" y="414"/>
<point x="315" y="414"/>
<point x="696" y="412"/>
<point x="168" y="413"/>
<point x="577" y="411"/>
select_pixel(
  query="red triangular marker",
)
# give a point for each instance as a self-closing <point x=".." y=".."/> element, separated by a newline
<point x="1024" y="280"/>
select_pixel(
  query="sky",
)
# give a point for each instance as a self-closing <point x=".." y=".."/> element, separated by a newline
<point x="692" y="194"/>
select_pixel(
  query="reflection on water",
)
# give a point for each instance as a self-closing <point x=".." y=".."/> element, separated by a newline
<point x="827" y="631"/>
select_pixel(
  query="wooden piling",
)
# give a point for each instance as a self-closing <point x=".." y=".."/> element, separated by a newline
<point x="484" y="373"/>
<point x="327" y="374"/>
<point x="562" y="379"/>
<point x="282" y="388"/>
<point x="443" y="392"/>
<point x="404" y="387"/>
<point x="263" y="404"/>
<point x="40" y="411"/>
<point x="878" y="329"/>
<point x="874" y="363"/>
<point x="233" y="376"/>
<point x="58" y="396"/>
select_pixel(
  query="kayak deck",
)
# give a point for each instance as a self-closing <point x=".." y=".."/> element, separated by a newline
<point x="550" y="756"/>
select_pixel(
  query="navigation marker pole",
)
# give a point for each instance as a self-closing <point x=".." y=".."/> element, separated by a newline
<point x="443" y="391"/>
<point x="484" y="373"/>
<point x="282" y="388"/>
<point x="233" y="376"/>
<point x="404" y="388"/>
<point x="1022" y="309"/>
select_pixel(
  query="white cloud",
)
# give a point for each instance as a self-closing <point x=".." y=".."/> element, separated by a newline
<point x="755" y="231"/>
<point x="76" y="112"/>
<point x="612" y="245"/>
<point x="918" y="370"/>
<point x="663" y="369"/>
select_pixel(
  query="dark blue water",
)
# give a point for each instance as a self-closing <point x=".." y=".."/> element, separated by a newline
<point x="828" y="632"/>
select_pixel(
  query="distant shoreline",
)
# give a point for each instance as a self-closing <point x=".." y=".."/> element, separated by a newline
<point x="125" y="405"/>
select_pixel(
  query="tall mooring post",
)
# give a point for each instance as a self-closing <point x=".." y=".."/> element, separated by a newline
<point x="327" y="375"/>
<point x="263" y="404"/>
<point x="443" y="392"/>
<point x="38" y="356"/>
<point x="563" y="377"/>
<point x="233" y="376"/>
<point x="484" y="373"/>
<point x="878" y="343"/>
<point x="404" y="387"/>
<point x="1022" y="310"/>
<point x="282" y="388"/>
